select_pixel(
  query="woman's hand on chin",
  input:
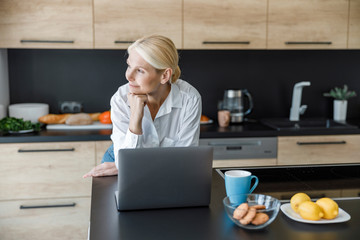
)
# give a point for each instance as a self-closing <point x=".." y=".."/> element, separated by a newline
<point x="137" y="104"/>
<point x="104" y="169"/>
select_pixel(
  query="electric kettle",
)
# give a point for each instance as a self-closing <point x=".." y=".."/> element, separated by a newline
<point x="234" y="101"/>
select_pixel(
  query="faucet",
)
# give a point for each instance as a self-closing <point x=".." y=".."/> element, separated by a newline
<point x="296" y="109"/>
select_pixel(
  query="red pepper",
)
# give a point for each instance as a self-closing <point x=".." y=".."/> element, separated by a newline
<point x="105" y="117"/>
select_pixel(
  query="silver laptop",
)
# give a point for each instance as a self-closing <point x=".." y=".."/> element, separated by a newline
<point x="169" y="177"/>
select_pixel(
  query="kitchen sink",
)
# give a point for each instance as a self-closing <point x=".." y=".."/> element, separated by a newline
<point x="283" y="124"/>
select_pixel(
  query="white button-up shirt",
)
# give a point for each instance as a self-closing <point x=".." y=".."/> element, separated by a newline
<point x="177" y="122"/>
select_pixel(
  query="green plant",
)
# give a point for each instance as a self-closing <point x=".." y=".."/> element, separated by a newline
<point x="340" y="93"/>
<point x="17" y="124"/>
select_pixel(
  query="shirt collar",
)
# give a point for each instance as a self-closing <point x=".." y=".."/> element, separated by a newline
<point x="173" y="100"/>
<point x="126" y="91"/>
<point x="175" y="96"/>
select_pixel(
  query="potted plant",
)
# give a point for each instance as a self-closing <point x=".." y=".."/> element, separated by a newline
<point x="340" y="95"/>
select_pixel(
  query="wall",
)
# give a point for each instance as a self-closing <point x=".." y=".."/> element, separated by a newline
<point x="92" y="76"/>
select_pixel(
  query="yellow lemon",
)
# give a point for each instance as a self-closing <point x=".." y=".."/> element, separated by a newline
<point x="297" y="199"/>
<point x="329" y="207"/>
<point x="310" y="211"/>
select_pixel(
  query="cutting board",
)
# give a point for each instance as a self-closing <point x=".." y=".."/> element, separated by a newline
<point x="94" y="126"/>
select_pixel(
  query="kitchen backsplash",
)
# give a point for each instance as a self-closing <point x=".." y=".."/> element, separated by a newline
<point x="92" y="76"/>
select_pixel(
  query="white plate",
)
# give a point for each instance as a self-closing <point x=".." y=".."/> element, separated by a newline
<point x="22" y="131"/>
<point x="207" y="122"/>
<point x="287" y="210"/>
<point x="95" y="126"/>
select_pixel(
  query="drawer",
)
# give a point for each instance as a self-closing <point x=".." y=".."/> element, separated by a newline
<point x="312" y="194"/>
<point x="45" y="170"/>
<point x="253" y="162"/>
<point x="242" y="148"/>
<point x="66" y="219"/>
<point x="350" y="192"/>
<point x="318" y="149"/>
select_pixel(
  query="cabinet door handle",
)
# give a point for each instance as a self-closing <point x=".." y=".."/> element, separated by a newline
<point x="46" y="41"/>
<point x="321" y="143"/>
<point x="307" y="43"/>
<point x="233" y="148"/>
<point x="47" y="206"/>
<point x="47" y="150"/>
<point x="226" y="42"/>
<point x="123" y="41"/>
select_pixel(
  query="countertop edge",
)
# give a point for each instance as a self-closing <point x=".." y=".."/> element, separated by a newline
<point x="208" y="131"/>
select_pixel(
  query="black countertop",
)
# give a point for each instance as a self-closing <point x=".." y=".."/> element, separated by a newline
<point x="203" y="222"/>
<point x="247" y="129"/>
<point x="256" y="129"/>
<point x="57" y="136"/>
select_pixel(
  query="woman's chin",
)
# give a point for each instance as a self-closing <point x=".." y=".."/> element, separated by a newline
<point x="134" y="90"/>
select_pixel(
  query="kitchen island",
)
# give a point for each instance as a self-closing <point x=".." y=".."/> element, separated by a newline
<point x="208" y="222"/>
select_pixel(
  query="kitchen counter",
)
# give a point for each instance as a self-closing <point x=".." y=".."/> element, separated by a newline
<point x="203" y="222"/>
<point x="247" y="129"/>
<point x="57" y="136"/>
<point x="254" y="128"/>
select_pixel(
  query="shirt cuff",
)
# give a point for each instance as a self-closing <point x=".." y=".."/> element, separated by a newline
<point x="132" y="140"/>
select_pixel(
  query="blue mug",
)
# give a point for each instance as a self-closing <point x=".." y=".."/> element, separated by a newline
<point x="237" y="182"/>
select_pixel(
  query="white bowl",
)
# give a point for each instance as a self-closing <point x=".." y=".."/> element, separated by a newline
<point x="28" y="111"/>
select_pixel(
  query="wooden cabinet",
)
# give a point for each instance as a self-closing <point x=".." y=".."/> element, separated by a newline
<point x="118" y="23"/>
<point x="42" y="192"/>
<point x="100" y="148"/>
<point x="354" y="25"/>
<point x="230" y="24"/>
<point x="68" y="218"/>
<point x="46" y="24"/>
<point x="301" y="24"/>
<point x="191" y="24"/>
<point x="300" y="150"/>
<point x="45" y="170"/>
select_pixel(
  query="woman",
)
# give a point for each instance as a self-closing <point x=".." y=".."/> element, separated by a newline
<point x="155" y="109"/>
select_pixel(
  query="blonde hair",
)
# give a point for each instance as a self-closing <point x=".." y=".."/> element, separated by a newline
<point x="160" y="52"/>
